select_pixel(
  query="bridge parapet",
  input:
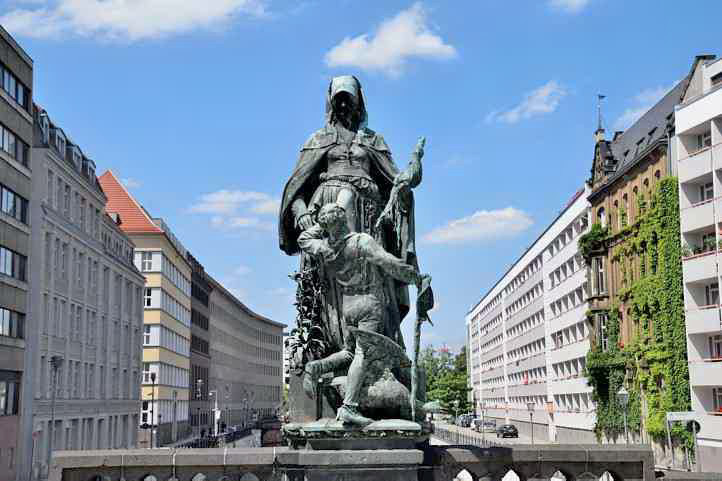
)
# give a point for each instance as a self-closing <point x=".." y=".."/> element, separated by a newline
<point x="434" y="463"/>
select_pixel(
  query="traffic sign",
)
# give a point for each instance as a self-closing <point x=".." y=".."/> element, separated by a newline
<point x="682" y="416"/>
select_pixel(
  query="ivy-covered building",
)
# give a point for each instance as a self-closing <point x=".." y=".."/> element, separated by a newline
<point x="635" y="277"/>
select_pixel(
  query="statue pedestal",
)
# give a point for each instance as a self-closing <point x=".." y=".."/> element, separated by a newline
<point x="329" y="434"/>
<point x="351" y="465"/>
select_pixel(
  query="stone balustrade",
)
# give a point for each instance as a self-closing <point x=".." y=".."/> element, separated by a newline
<point x="434" y="463"/>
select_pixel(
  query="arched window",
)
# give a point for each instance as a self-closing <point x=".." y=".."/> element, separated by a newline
<point x="657" y="175"/>
<point x="601" y="217"/>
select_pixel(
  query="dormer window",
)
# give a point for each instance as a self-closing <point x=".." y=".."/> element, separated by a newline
<point x="60" y="141"/>
<point x="45" y="128"/>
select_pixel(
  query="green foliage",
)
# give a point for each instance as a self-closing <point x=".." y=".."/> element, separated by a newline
<point x="592" y="241"/>
<point x="446" y="379"/>
<point x="655" y="362"/>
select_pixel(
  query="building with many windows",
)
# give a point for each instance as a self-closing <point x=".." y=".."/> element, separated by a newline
<point x="246" y="349"/>
<point x="16" y="136"/>
<point x="87" y="311"/>
<point x="166" y="316"/>
<point x="200" y="347"/>
<point x="698" y="148"/>
<point x="528" y="337"/>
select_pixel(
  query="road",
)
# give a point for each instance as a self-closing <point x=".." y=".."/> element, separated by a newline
<point x="469" y="436"/>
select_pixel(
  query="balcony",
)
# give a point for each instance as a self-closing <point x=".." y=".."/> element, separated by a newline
<point x="695" y="166"/>
<point x="697" y="217"/>
<point x="531" y="389"/>
<point x="573" y="350"/>
<point x="571" y="385"/>
<point x="701" y="267"/>
<point x="703" y="320"/>
<point x="705" y="373"/>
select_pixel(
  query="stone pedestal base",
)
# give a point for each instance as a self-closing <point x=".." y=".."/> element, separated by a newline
<point x="361" y="465"/>
<point x="329" y="434"/>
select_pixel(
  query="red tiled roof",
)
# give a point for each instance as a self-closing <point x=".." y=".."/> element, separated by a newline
<point x="132" y="216"/>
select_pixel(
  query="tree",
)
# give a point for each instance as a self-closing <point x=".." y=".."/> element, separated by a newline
<point x="446" y="379"/>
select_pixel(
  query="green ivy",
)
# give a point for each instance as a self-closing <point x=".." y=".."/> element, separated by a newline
<point x="654" y="364"/>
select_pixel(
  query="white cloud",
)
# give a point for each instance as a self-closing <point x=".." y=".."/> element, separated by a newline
<point x="238" y="222"/>
<point x="242" y="270"/>
<point x="643" y="101"/>
<point x="130" y="183"/>
<point x="542" y="100"/>
<point x="237" y="209"/>
<point x="229" y="201"/>
<point x="480" y="226"/>
<point x="124" y="19"/>
<point x="570" y="6"/>
<point x="397" y="39"/>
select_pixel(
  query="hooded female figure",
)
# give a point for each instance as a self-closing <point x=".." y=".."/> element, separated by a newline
<point x="349" y="164"/>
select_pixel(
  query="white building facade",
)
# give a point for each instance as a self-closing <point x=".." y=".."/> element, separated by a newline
<point x="86" y="299"/>
<point x="698" y="145"/>
<point x="528" y="337"/>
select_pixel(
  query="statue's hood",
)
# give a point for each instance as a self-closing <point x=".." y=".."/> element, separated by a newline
<point x="350" y="85"/>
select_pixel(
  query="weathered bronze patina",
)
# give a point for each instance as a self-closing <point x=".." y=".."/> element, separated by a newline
<point x="349" y="212"/>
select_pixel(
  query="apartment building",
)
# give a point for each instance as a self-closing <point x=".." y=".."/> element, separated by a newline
<point x="166" y="316"/>
<point x="87" y="309"/>
<point x="16" y="137"/>
<point x="698" y="147"/>
<point x="246" y="349"/>
<point x="201" y="419"/>
<point x="528" y="336"/>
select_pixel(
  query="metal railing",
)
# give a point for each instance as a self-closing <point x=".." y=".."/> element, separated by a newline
<point x="217" y="441"/>
<point x="461" y="436"/>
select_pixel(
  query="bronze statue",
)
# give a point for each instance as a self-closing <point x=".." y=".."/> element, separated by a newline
<point x="346" y="169"/>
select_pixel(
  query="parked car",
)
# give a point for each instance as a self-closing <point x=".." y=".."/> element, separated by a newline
<point x="486" y="426"/>
<point x="464" y="420"/>
<point x="507" y="431"/>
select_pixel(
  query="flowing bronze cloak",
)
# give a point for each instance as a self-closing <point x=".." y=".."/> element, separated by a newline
<point x="398" y="238"/>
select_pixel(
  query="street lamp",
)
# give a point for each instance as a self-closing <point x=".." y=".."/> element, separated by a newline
<point x="199" y="396"/>
<point x="482" y="407"/>
<point x="623" y="399"/>
<point x="214" y="393"/>
<point x="152" y="408"/>
<point x="456" y="410"/>
<point x="530" y="407"/>
<point x="55" y="363"/>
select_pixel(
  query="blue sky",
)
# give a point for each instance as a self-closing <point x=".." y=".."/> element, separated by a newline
<point x="202" y="107"/>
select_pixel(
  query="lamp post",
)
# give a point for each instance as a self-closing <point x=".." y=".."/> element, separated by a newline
<point x="55" y="363"/>
<point x="456" y="410"/>
<point x="623" y="399"/>
<point x="199" y="396"/>
<point x="530" y="408"/>
<point x="214" y="393"/>
<point x="482" y="407"/>
<point x="152" y="408"/>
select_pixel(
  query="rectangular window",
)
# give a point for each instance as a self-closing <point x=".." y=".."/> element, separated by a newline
<point x="13" y="264"/>
<point x="14" y="88"/>
<point x="9" y="398"/>
<point x="711" y="292"/>
<point x="705" y="192"/>
<point x="715" y="346"/>
<point x="13" y="205"/>
<point x="15" y="147"/>
<point x="12" y="324"/>
<point x="146" y="261"/>
<point x="704" y="140"/>
<point x="148" y="297"/>
<point x="716" y="79"/>
<point x="146" y="335"/>
<point x="599" y="278"/>
<point x="602" y="331"/>
<point x="717" y="399"/>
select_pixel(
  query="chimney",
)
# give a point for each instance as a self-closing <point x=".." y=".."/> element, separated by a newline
<point x="599" y="135"/>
